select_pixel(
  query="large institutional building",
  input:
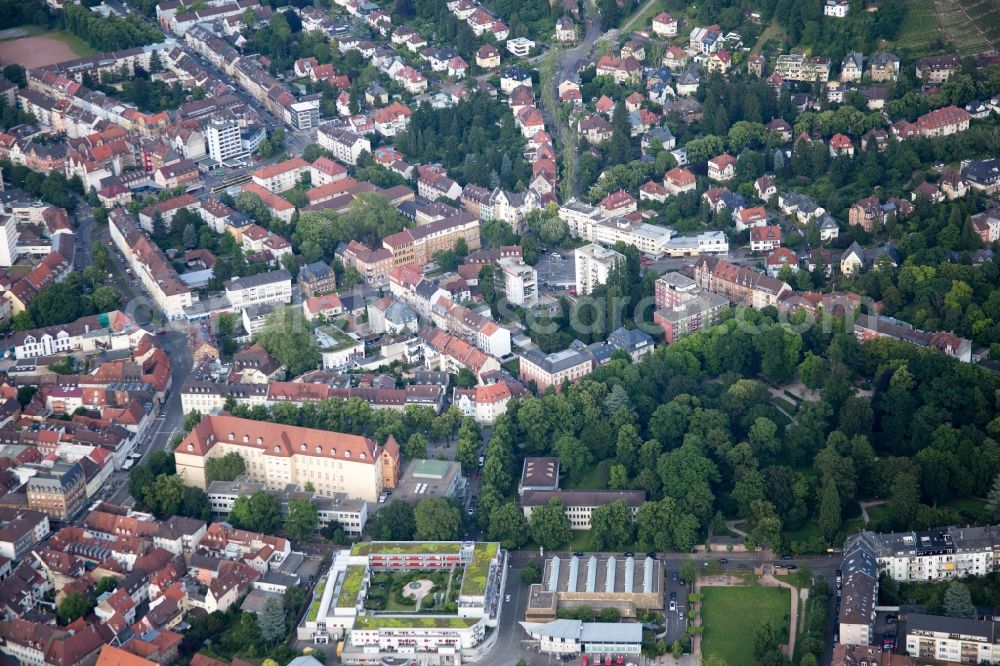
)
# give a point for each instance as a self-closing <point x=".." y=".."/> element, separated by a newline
<point x="340" y="607"/>
<point x="277" y="455"/>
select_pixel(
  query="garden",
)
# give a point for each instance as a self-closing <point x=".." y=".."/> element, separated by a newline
<point x="414" y="591"/>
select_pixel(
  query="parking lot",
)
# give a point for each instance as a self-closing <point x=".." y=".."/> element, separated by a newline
<point x="554" y="271"/>
<point x="675" y="596"/>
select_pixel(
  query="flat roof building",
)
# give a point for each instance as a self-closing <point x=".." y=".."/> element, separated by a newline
<point x="626" y="584"/>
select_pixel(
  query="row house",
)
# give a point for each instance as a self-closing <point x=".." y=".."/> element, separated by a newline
<point x="741" y="285"/>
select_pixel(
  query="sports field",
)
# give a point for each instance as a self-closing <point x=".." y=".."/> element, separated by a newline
<point x="37" y="50"/>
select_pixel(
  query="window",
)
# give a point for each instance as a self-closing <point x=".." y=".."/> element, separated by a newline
<point x="277" y="448"/>
<point x="246" y="438"/>
<point x="347" y="454"/>
<point x="260" y="440"/>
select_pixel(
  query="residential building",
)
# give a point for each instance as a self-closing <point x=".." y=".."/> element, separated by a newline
<point x="520" y="47"/>
<point x="345" y="144"/>
<point x="580" y="504"/>
<point x="20" y="531"/>
<point x="943" y="122"/>
<point x="679" y="180"/>
<point x="486" y="402"/>
<point x="317" y="279"/>
<point x="593" y="264"/>
<point x="8" y="241"/>
<point x="765" y="239"/>
<point x="938" y="69"/>
<point x="682" y="307"/>
<point x="259" y="289"/>
<point x="59" y="491"/>
<point x="276" y="455"/>
<point x="836" y="8"/>
<point x="520" y="283"/>
<point x="741" y="285"/>
<point x="665" y="25"/>
<point x="150" y="265"/>
<point x="952" y="639"/>
<point x="568" y="365"/>
<point x="868" y="327"/>
<point x="987" y="226"/>
<point x="983" y="175"/>
<point x="867" y="214"/>
<point x="634" y="342"/>
<point x="488" y="57"/>
<point x="340" y="598"/>
<point x="797" y="67"/>
<point x="722" y="168"/>
<point x="883" y="67"/>
<point x="281" y="176"/>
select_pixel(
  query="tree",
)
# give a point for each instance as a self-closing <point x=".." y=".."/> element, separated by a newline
<point x="415" y="446"/>
<point x="288" y="338"/>
<point x="394" y="522"/>
<point x="74" y="606"/>
<point x="301" y="520"/>
<point x="226" y="468"/>
<point x="508" y="526"/>
<point x="957" y="601"/>
<point x="261" y="512"/>
<point x="531" y="573"/>
<point x="271" y="621"/>
<point x="611" y="527"/>
<point x="573" y="455"/>
<point x="765" y="640"/>
<point x="106" y="584"/>
<point x="904" y="500"/>
<point x="620" y="147"/>
<point x="436" y="519"/>
<point x="550" y="528"/>
<point x="829" y="511"/>
<point x="993" y="500"/>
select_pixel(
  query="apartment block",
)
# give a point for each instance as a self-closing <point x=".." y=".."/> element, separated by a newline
<point x="593" y="264"/>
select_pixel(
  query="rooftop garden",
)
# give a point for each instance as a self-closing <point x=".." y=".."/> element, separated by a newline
<point x="395" y="622"/>
<point x="476" y="574"/>
<point x="341" y="340"/>
<point x="317" y="600"/>
<point x="405" y="547"/>
<point x="353" y="577"/>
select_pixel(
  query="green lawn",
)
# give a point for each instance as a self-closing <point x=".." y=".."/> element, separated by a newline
<point x="730" y="616"/>
<point x="969" y="505"/>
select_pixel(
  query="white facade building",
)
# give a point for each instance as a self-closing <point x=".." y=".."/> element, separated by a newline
<point x="223" y="139"/>
<point x="593" y="263"/>
<point x="8" y="241"/>
<point x="272" y="287"/>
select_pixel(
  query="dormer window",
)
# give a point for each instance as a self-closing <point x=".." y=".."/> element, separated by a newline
<point x="260" y="440"/>
<point x="319" y="449"/>
<point x="190" y="447"/>
<point x="246" y="438"/>
<point x="303" y="447"/>
<point x="232" y="436"/>
<point x="362" y="456"/>
<point x="277" y="448"/>
<point x="347" y="454"/>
